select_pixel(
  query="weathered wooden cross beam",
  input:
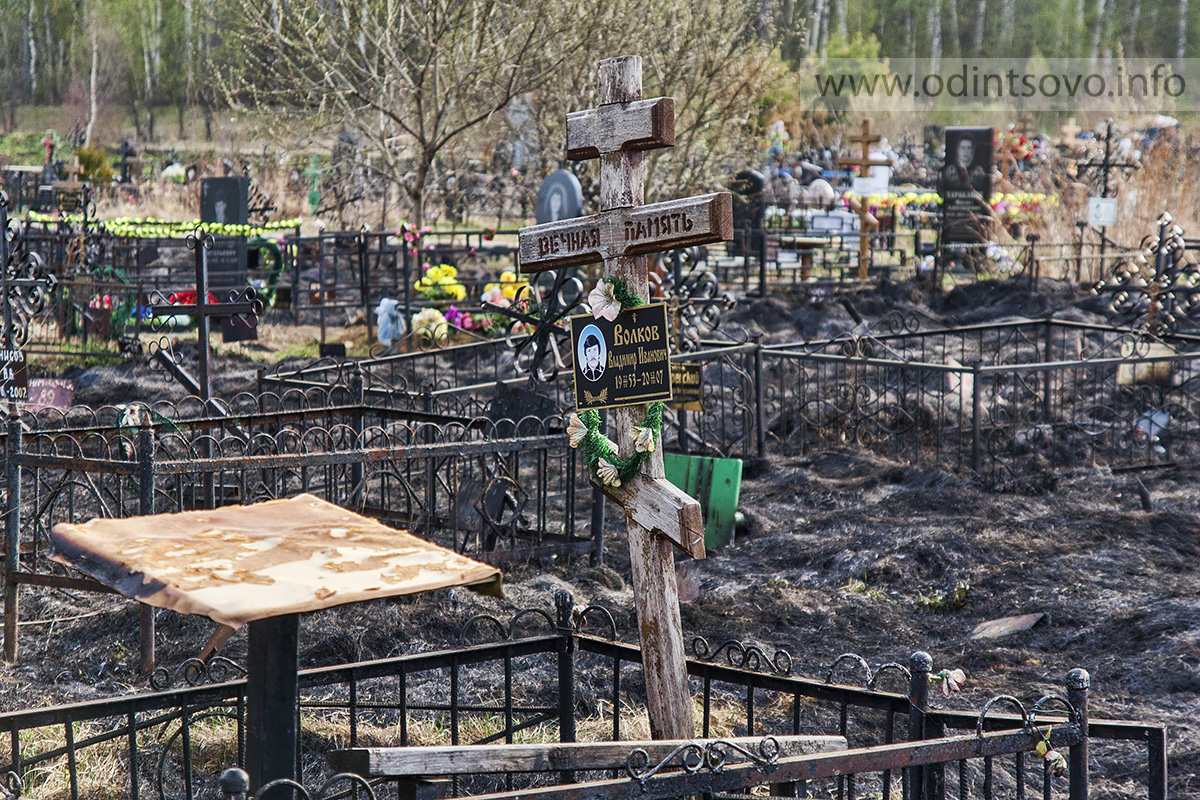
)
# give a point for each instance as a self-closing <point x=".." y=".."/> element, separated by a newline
<point x="657" y="514"/>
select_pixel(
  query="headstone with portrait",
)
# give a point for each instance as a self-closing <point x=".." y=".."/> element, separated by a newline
<point x="965" y="184"/>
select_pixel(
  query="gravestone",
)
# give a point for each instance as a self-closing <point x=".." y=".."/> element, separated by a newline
<point x="965" y="184"/>
<point x="749" y="211"/>
<point x="226" y="201"/>
<point x="560" y="197"/>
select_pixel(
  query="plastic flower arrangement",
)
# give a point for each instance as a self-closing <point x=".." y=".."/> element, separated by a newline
<point x="1022" y="206"/>
<point x="466" y="321"/>
<point x="440" y="282"/>
<point x="504" y="292"/>
<point x="99" y="301"/>
<point x="431" y="325"/>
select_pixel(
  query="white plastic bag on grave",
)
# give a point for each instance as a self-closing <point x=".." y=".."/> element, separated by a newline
<point x="391" y="321"/>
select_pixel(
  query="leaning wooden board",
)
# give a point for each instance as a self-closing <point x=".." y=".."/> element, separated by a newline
<point x="393" y="762"/>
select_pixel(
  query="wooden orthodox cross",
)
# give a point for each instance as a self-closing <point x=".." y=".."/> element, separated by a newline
<point x="657" y="514"/>
<point x="866" y="220"/>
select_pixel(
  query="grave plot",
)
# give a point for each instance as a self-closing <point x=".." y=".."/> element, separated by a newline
<point x="1009" y="401"/>
<point x="498" y="490"/>
<point x="518" y="686"/>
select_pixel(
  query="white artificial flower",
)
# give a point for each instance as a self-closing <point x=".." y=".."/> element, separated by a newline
<point x="643" y="439"/>
<point x="607" y="473"/>
<point x="576" y="430"/>
<point x="1056" y="762"/>
<point x="952" y="679"/>
<point x="604" y="302"/>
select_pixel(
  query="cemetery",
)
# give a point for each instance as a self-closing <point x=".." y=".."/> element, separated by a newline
<point x="810" y="483"/>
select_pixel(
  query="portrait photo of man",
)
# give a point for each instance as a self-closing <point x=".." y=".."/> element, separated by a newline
<point x="592" y="350"/>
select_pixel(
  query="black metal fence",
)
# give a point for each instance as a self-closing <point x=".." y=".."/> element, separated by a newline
<point x="564" y="685"/>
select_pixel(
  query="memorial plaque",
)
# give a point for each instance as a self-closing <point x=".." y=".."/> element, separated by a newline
<point x="627" y="232"/>
<point x="1102" y="212"/>
<point x="622" y="362"/>
<point x="51" y="393"/>
<point x="14" y="378"/>
<point x="227" y="266"/>
<point x="69" y="200"/>
<point x="965" y="184"/>
<point x="687" y="386"/>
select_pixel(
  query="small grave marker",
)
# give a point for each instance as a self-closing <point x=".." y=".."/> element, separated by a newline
<point x="51" y="393"/>
<point x="687" y="386"/>
<point x="657" y="513"/>
<point x="867" y="221"/>
<point x="14" y="377"/>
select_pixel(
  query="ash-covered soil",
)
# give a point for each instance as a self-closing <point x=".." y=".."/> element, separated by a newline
<point x="842" y="552"/>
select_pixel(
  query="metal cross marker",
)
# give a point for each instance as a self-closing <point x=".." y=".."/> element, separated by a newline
<point x="864" y="163"/>
<point x="25" y="282"/>
<point x="541" y="315"/>
<point x="657" y="514"/>
<point x="241" y="304"/>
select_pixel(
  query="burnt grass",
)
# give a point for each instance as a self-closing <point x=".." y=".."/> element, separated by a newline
<point x="842" y="551"/>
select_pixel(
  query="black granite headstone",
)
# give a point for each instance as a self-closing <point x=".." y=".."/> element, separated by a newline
<point x="965" y="183"/>
<point x="749" y="211"/>
<point x="226" y="201"/>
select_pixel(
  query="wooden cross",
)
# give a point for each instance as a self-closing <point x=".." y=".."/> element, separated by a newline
<point x="1071" y="131"/>
<point x="657" y="514"/>
<point x="48" y="143"/>
<point x="866" y="220"/>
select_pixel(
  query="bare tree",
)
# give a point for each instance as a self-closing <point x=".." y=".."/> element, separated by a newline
<point x="411" y="77"/>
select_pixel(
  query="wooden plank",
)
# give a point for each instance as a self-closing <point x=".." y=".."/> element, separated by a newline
<point x="380" y="762"/>
<point x="661" y="508"/>
<point x="669" y="225"/>
<point x="631" y="127"/>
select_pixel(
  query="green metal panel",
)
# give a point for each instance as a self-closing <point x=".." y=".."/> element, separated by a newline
<point x="716" y="483"/>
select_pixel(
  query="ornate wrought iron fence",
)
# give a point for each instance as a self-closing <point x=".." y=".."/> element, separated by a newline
<point x="175" y="742"/>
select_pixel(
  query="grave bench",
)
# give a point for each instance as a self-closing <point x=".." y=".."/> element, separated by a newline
<point x="416" y="769"/>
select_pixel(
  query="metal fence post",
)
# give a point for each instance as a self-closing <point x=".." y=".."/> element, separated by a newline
<point x="364" y="278"/>
<point x="1078" y="683"/>
<point x="12" y="529"/>
<point x="564" y="606"/>
<point x="1047" y="376"/>
<point x="145" y="451"/>
<point x="976" y="414"/>
<point x="921" y="664"/>
<point x="760" y="432"/>
<point x="234" y="784"/>
<point x="358" y="398"/>
<point x="1157" y="760"/>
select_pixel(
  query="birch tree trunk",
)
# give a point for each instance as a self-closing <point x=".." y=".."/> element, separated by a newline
<point x="934" y="22"/>
<point x="980" y="17"/>
<point x="1182" y="50"/>
<point x="91" y="123"/>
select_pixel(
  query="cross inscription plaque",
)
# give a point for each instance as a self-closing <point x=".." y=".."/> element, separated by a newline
<point x="657" y="514"/>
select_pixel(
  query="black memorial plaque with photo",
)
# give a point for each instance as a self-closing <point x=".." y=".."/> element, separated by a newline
<point x="687" y="386"/>
<point x="14" y="378"/>
<point x="965" y="184"/>
<point x="622" y="362"/>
